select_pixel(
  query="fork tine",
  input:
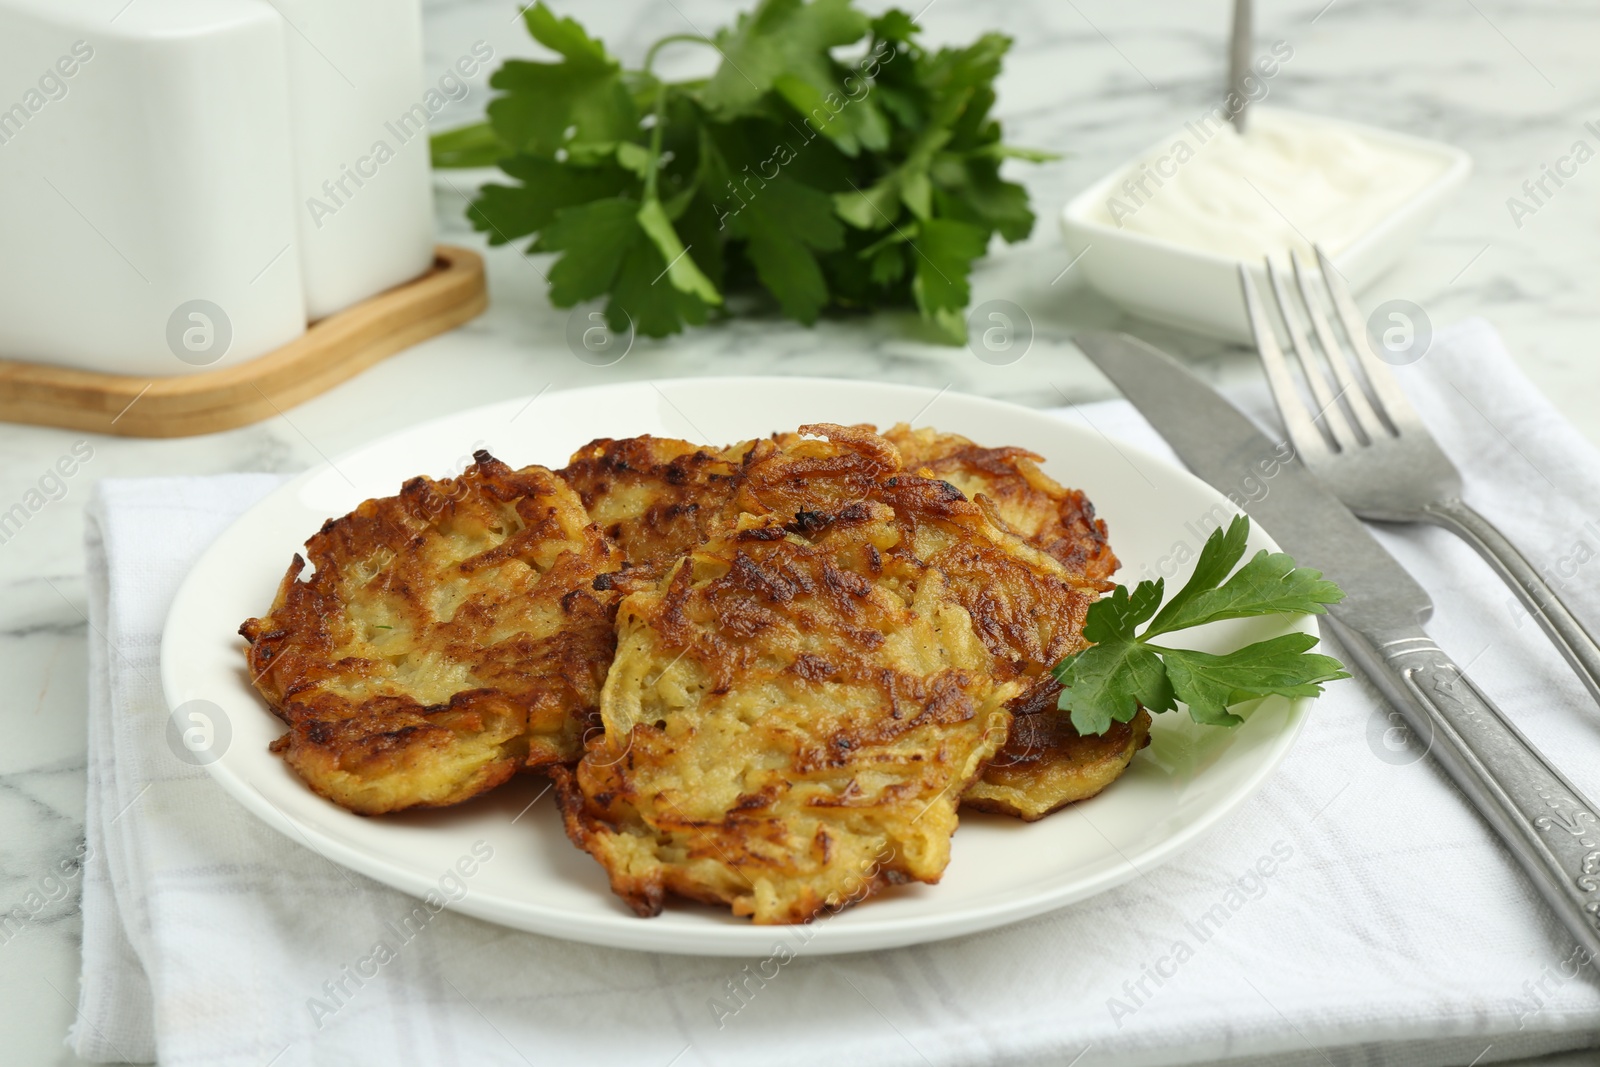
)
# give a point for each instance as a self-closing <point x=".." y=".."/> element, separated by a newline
<point x="1303" y="433"/>
<point x="1328" y="412"/>
<point x="1360" y="410"/>
<point x="1392" y="403"/>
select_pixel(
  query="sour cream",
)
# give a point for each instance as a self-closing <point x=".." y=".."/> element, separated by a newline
<point x="1289" y="181"/>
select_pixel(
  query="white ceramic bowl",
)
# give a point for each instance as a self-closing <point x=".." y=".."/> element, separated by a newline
<point x="1199" y="291"/>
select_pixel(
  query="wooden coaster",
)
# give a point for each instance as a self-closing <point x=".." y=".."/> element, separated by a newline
<point x="330" y="351"/>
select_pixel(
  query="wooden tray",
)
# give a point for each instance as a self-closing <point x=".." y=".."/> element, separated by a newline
<point x="330" y="351"/>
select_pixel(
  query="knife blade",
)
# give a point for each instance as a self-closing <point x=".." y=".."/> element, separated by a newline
<point x="1223" y="447"/>
<point x="1548" y="825"/>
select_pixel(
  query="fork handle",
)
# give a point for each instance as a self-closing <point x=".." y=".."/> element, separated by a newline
<point x="1549" y="826"/>
<point x="1541" y="601"/>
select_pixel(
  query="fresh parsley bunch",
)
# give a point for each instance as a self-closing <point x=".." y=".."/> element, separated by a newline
<point x="827" y="183"/>
<point x="1123" y="671"/>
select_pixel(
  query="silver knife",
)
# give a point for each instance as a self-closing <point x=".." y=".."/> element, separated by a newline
<point x="1549" y="826"/>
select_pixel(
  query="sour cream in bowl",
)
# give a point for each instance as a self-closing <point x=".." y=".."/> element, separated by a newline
<point x="1163" y="234"/>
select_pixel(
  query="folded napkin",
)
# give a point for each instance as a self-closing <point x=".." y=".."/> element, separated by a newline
<point x="1355" y="911"/>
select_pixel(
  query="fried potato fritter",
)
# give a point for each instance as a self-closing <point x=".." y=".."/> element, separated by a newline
<point x="1027" y="607"/>
<point x="658" y="499"/>
<point x="762" y="685"/>
<point x="1029" y="611"/>
<point x="1059" y="520"/>
<point x="447" y="638"/>
<point x="764" y="676"/>
<point x="789" y="722"/>
<point x="1046" y="765"/>
<point x="655" y="498"/>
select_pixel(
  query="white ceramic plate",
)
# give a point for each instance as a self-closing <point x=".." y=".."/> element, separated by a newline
<point x="1001" y="870"/>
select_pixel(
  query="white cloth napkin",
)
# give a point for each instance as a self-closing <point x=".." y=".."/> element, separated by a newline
<point x="1390" y="914"/>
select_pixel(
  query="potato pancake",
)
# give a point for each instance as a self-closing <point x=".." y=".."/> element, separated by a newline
<point x="447" y="638"/>
<point x="654" y="498"/>
<point x="789" y="722"/>
<point x="1028" y="608"/>
<point x="754" y="655"/>
<point x="1046" y="764"/>
<point x="1059" y="520"/>
<point x="659" y="498"/>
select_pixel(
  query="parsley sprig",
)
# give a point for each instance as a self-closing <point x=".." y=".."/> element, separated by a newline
<point x="1123" y="670"/>
<point x="826" y="183"/>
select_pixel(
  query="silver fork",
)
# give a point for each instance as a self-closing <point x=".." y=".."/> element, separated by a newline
<point x="1370" y="447"/>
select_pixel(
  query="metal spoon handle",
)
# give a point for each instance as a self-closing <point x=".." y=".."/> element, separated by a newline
<point x="1239" y="60"/>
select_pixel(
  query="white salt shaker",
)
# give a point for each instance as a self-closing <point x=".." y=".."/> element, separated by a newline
<point x="365" y="204"/>
<point x="146" y="170"/>
<point x="161" y="163"/>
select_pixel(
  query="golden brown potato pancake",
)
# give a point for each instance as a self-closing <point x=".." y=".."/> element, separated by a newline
<point x="1057" y="519"/>
<point x="846" y="600"/>
<point x="1027" y="607"/>
<point x="657" y="499"/>
<point x="447" y="638"/>
<point x="1046" y="764"/>
<point x="789" y="722"/>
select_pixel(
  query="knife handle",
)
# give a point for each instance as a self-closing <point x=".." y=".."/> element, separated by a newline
<point x="1575" y="643"/>
<point x="1549" y="826"/>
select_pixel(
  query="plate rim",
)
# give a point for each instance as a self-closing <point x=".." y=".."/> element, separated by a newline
<point x="731" y="940"/>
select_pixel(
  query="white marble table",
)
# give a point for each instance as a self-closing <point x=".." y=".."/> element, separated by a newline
<point x="1096" y="80"/>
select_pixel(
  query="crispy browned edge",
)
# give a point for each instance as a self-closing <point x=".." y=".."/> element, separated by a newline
<point x="1038" y="739"/>
<point x="424" y="499"/>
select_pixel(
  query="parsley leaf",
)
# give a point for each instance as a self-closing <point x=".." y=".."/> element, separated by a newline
<point x="595" y="237"/>
<point x="830" y="161"/>
<point x="506" y="212"/>
<point x="1112" y="684"/>
<point x="1270" y="584"/>
<point x="616" y="245"/>
<point x="640" y="294"/>
<point x="945" y="251"/>
<point x="583" y="94"/>
<point x="1122" y="671"/>
<point x="1283" y="665"/>
<point x="783" y="47"/>
<point x="468" y="146"/>
<point x="682" y="271"/>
